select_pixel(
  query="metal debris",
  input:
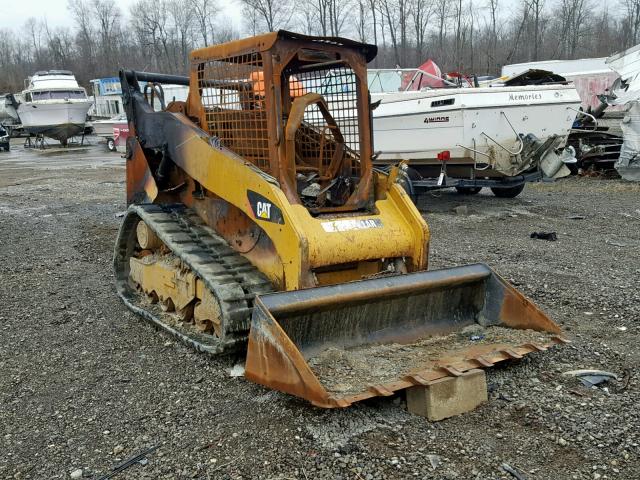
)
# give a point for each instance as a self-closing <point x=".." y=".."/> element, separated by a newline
<point x="512" y="471"/>
<point x="237" y="370"/>
<point x="590" y="378"/>
<point x="551" y="236"/>
<point x="139" y="458"/>
<point x="434" y="460"/>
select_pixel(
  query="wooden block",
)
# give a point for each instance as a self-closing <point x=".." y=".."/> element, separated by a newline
<point x="448" y="396"/>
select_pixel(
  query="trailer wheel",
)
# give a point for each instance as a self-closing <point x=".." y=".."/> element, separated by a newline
<point x="507" y="192"/>
<point x="111" y="144"/>
<point x="468" y="190"/>
<point x="574" y="168"/>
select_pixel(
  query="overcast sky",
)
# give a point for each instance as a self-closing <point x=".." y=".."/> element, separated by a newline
<point x="13" y="13"/>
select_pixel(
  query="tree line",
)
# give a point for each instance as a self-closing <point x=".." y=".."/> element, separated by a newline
<point x="462" y="35"/>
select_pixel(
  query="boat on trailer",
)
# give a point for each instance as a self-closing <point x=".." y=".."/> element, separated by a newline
<point x="54" y="105"/>
<point x="105" y="129"/>
<point x="467" y="135"/>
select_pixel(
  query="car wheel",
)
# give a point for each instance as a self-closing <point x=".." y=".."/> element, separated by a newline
<point x="111" y="144"/>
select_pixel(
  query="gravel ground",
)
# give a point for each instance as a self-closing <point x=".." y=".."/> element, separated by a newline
<point x="85" y="385"/>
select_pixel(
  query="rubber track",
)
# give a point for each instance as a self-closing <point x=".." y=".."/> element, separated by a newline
<point x="232" y="279"/>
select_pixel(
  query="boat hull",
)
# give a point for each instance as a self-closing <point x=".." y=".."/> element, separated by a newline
<point x="59" y="120"/>
<point x="477" y="126"/>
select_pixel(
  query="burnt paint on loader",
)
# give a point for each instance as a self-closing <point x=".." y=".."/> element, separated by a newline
<point x="346" y="254"/>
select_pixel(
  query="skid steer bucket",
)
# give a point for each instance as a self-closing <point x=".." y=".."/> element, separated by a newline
<point x="336" y="345"/>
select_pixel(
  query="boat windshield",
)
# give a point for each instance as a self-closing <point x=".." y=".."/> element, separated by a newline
<point x="381" y="80"/>
<point x="57" y="94"/>
<point x="387" y="80"/>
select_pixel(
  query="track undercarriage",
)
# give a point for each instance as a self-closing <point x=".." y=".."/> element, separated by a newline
<point x="180" y="275"/>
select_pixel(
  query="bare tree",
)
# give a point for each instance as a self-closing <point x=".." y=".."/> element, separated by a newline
<point x="182" y="17"/>
<point x="493" y="42"/>
<point x="149" y="21"/>
<point x="321" y="13"/>
<point x="225" y="32"/>
<point x="306" y="18"/>
<point x="442" y="11"/>
<point x="574" y="15"/>
<point x="81" y="12"/>
<point x="536" y="7"/>
<point x="472" y="29"/>
<point x="526" y="7"/>
<point x="34" y="30"/>
<point x="59" y="44"/>
<point x="271" y="14"/>
<point x="458" y="12"/>
<point x="362" y="21"/>
<point x="421" y="12"/>
<point x="373" y="4"/>
<point x="396" y="15"/>
<point x="632" y="8"/>
<point x="338" y="14"/>
<point x="204" y="11"/>
<point x="107" y="16"/>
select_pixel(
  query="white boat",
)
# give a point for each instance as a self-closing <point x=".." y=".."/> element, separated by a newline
<point x="8" y="112"/>
<point x="54" y="105"/>
<point x="591" y="76"/>
<point x="104" y="129"/>
<point x="488" y="131"/>
<point x="626" y="92"/>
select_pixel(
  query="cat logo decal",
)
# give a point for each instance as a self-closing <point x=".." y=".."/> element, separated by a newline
<point x="263" y="209"/>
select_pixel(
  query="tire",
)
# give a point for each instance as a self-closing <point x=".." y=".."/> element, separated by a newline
<point x="573" y="167"/>
<point x="468" y="190"/>
<point x="508" y="192"/>
<point x="405" y="182"/>
<point x="111" y="144"/>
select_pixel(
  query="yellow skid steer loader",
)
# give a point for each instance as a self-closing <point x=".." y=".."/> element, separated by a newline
<point x="256" y="220"/>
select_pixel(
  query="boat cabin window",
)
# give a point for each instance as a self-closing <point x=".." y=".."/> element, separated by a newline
<point x="113" y="107"/>
<point x="443" y="103"/>
<point x="28" y="97"/>
<point x="58" y="94"/>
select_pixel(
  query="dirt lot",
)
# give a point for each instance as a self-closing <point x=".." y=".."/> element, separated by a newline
<point x="85" y="385"/>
